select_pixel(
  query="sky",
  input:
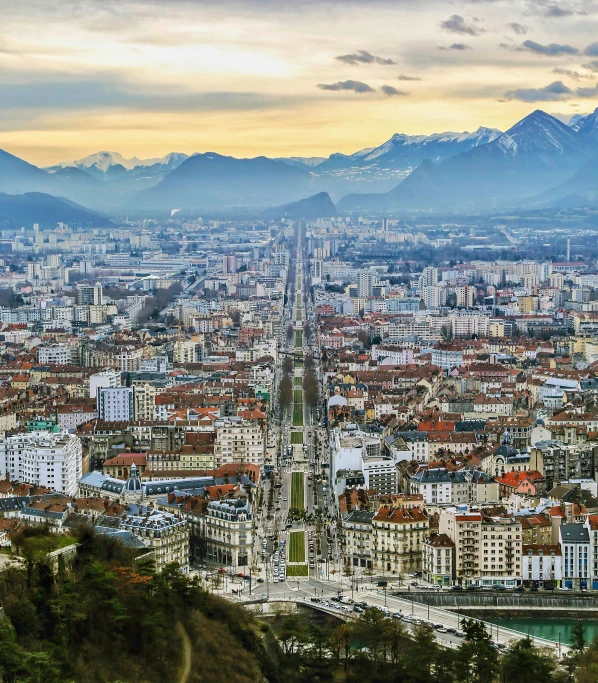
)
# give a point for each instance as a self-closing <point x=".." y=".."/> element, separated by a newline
<point x="282" y="77"/>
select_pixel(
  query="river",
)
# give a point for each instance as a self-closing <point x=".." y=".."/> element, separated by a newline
<point x="551" y="629"/>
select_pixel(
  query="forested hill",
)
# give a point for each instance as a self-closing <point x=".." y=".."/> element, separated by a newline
<point x="105" y="620"/>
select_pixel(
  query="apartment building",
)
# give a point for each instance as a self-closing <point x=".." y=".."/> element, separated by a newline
<point x="229" y="534"/>
<point x="48" y="459"/>
<point x="438" y="559"/>
<point x="440" y="486"/>
<point x="357" y="539"/>
<point x="115" y="405"/>
<point x="54" y="354"/>
<point x="487" y="549"/>
<point x="238" y="441"/>
<point x="397" y="539"/>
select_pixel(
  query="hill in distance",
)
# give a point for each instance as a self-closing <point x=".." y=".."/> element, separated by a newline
<point x="209" y="181"/>
<point x="38" y="207"/>
<point x="318" y="206"/>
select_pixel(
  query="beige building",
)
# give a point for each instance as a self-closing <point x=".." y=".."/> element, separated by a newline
<point x="239" y="441"/>
<point x="397" y="539"/>
<point x="487" y="549"/>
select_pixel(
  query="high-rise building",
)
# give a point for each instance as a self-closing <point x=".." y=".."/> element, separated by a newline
<point x="229" y="264"/>
<point x="89" y="294"/>
<point x="465" y="296"/>
<point x="115" y="404"/>
<point x="429" y="277"/>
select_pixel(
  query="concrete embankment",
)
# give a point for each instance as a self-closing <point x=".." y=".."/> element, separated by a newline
<point x="494" y="605"/>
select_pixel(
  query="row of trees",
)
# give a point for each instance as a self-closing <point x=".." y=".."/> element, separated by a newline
<point x="377" y="649"/>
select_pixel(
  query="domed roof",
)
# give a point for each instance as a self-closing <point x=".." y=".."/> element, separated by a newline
<point x="133" y="482"/>
<point x="506" y="450"/>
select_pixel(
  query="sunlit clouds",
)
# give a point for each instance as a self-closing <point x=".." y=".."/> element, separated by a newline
<point x="287" y="78"/>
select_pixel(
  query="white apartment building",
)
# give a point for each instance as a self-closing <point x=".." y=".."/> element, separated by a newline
<point x="54" y="354"/>
<point x="115" y="404"/>
<point x="106" y="379"/>
<point x="238" y="440"/>
<point x="542" y="564"/>
<point x="574" y="540"/>
<point x="48" y="459"/>
<point x="434" y="297"/>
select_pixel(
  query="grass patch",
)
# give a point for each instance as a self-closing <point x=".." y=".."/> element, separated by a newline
<point x="298" y="415"/>
<point x="296" y="547"/>
<point x="297" y="570"/>
<point x="298" y="339"/>
<point x="298" y="381"/>
<point x="298" y="491"/>
<point x="297" y="438"/>
<point x="299" y="315"/>
<point x="298" y="395"/>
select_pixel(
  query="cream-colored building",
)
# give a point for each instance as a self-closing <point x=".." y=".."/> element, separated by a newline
<point x="238" y="441"/>
<point x="487" y="549"/>
<point x="398" y="535"/>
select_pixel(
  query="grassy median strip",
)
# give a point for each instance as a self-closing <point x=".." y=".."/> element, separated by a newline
<point x="298" y="381"/>
<point x="296" y="547"/>
<point x="298" y="491"/>
<point x="297" y="570"/>
<point x="298" y="415"/>
<point x="298" y="339"/>
<point x="297" y="438"/>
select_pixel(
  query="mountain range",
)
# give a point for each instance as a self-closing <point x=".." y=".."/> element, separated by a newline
<point x="539" y="161"/>
<point x="536" y="153"/>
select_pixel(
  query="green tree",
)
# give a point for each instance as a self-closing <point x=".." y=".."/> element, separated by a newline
<point x="579" y="636"/>
<point x="477" y="660"/>
<point x="524" y="663"/>
<point x="422" y="654"/>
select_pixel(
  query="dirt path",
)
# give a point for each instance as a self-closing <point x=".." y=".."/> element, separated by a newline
<point x="186" y="669"/>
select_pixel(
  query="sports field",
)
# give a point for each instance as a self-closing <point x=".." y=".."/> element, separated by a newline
<point x="296" y="547"/>
<point x="298" y="490"/>
<point x="297" y="438"/>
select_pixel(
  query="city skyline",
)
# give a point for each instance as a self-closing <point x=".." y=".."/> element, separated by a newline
<point x="310" y="78"/>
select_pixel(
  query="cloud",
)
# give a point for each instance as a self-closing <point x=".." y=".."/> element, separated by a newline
<point x="404" y="77"/>
<point x="587" y="92"/>
<point x="363" y="57"/>
<point x="551" y="50"/>
<point x="591" y="50"/>
<point x="591" y="66"/>
<point x="456" y="46"/>
<point x="571" y="73"/>
<point x="549" y="93"/>
<point x="457" y="24"/>
<point x="519" y="29"/>
<point x="392" y="91"/>
<point x="354" y="86"/>
<point x="553" y="10"/>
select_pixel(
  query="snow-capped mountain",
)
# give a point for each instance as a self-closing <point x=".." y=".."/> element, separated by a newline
<point x="540" y="133"/>
<point x="102" y="161"/>
<point x="537" y="152"/>
<point x="380" y="168"/>
<point x="587" y="127"/>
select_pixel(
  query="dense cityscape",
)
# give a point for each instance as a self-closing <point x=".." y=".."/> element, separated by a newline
<point x="291" y="411"/>
<point x="299" y="341"/>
